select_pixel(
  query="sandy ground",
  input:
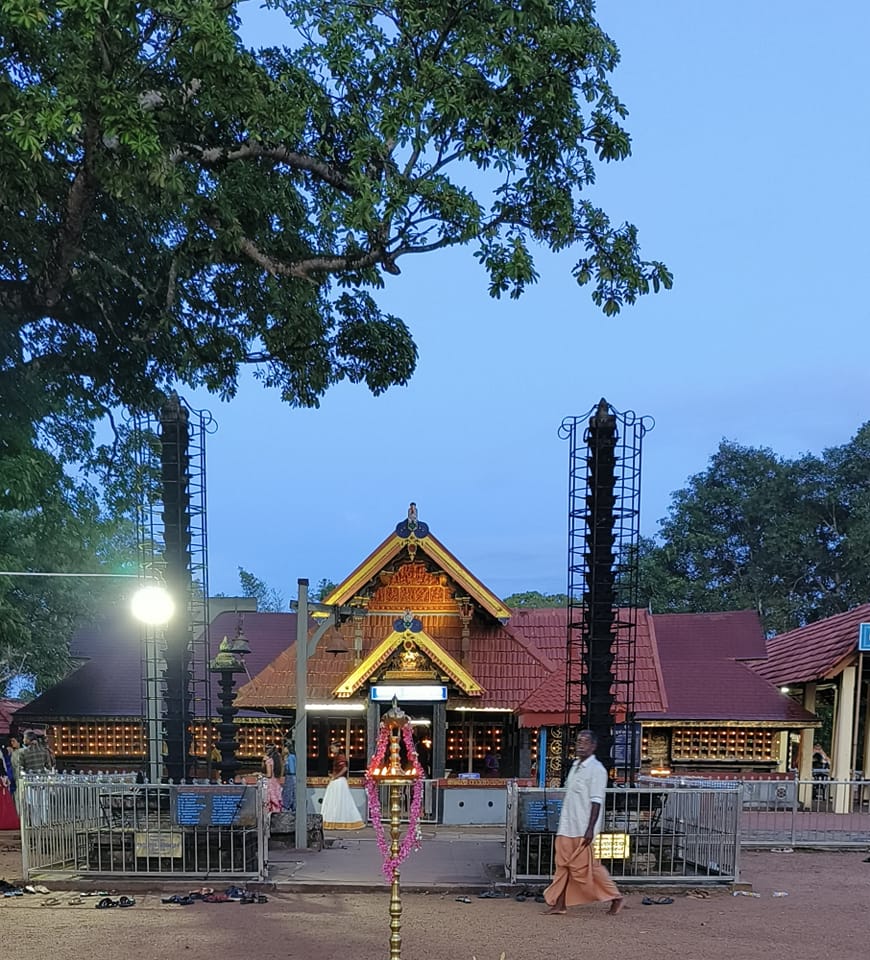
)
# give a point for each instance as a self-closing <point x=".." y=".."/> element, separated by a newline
<point x="824" y="915"/>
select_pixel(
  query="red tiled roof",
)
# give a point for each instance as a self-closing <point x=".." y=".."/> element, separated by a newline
<point x="507" y="666"/>
<point x="700" y="657"/>
<point x="110" y="684"/>
<point x="724" y="690"/>
<point x="687" y="668"/>
<point x="818" y="651"/>
<point x="731" y="635"/>
<point x="548" y="629"/>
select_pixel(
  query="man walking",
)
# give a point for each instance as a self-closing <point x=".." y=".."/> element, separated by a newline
<point x="579" y="877"/>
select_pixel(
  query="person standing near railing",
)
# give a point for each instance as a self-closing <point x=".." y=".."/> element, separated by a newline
<point x="15" y="757"/>
<point x="36" y="757"/>
<point x="288" y="791"/>
<point x="8" y="806"/>
<point x="821" y="761"/>
<point x="273" y="767"/>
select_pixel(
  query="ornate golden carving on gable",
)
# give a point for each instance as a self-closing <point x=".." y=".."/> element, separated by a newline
<point x="409" y="663"/>
<point x="413" y="587"/>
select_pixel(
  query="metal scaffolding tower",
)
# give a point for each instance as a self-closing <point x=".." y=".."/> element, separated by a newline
<point x="603" y="534"/>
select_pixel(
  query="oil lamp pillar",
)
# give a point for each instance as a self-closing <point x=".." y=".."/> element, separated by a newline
<point x="229" y="661"/>
<point x="388" y="770"/>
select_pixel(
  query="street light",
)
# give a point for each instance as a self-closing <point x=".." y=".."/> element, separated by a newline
<point x="305" y="648"/>
<point x="152" y="605"/>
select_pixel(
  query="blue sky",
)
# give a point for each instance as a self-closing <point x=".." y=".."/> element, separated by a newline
<point x="748" y="178"/>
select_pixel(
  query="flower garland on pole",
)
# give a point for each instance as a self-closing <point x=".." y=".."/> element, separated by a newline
<point x="377" y="771"/>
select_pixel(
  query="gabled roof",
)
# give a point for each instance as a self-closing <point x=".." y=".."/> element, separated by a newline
<point x="818" y="651"/>
<point x="418" y="539"/>
<point x="110" y="684"/>
<point x="385" y="649"/>
<point x="700" y="655"/>
<point x="505" y="666"/>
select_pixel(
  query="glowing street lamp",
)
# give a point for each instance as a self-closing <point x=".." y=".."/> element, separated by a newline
<point x="152" y="605"/>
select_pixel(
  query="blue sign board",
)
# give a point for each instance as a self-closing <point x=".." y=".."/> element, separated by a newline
<point x="626" y="745"/>
<point x="415" y="692"/>
<point x="215" y="805"/>
<point x="864" y="636"/>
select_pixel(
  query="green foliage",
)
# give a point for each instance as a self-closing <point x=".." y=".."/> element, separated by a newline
<point x="323" y="589"/>
<point x="268" y="599"/>
<point x="39" y="615"/>
<point x="533" y="599"/>
<point x="788" y="538"/>
<point x="176" y="206"/>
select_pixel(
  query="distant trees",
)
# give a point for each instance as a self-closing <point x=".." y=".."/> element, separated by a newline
<point x="269" y="600"/>
<point x="788" y="538"/>
<point x="534" y="599"/>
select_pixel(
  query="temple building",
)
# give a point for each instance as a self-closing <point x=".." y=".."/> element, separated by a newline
<point x="479" y="679"/>
<point x="483" y="684"/>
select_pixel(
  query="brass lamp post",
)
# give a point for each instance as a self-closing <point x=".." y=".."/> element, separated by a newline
<point x="388" y="770"/>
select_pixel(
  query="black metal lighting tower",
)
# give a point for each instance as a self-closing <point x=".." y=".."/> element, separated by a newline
<point x="603" y="534"/>
<point x="173" y="544"/>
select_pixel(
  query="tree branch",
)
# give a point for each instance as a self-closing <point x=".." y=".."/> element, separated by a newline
<point x="78" y="206"/>
<point x="304" y="269"/>
<point x="216" y="156"/>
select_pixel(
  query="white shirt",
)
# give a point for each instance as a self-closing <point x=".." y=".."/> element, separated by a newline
<point x="586" y="784"/>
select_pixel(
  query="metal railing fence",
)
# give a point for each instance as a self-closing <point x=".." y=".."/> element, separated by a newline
<point x="805" y="813"/>
<point x="112" y="826"/>
<point x="429" y="806"/>
<point x="687" y="835"/>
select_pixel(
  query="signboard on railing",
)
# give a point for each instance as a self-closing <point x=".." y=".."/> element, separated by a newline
<point x="538" y="812"/>
<point x="214" y="805"/>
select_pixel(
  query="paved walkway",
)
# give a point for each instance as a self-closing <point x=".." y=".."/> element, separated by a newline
<point x="456" y="858"/>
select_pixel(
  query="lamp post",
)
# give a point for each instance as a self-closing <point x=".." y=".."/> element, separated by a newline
<point x="305" y="648"/>
<point x="228" y="662"/>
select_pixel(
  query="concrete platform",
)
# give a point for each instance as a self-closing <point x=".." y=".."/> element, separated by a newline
<point x="454" y="858"/>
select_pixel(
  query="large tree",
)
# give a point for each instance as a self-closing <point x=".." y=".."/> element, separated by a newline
<point x="176" y="206"/>
<point x="788" y="538"/>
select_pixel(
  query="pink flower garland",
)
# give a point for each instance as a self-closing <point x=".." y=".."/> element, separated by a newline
<point x="410" y="842"/>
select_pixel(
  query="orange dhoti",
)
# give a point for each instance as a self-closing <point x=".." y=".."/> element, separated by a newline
<point x="581" y="877"/>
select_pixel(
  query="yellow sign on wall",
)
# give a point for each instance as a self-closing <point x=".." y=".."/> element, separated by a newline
<point x="161" y="844"/>
<point x="612" y="846"/>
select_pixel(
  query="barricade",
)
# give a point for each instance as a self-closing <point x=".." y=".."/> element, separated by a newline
<point x="805" y="813"/>
<point x="111" y="826"/>
<point x="666" y="833"/>
<point x="429" y="808"/>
